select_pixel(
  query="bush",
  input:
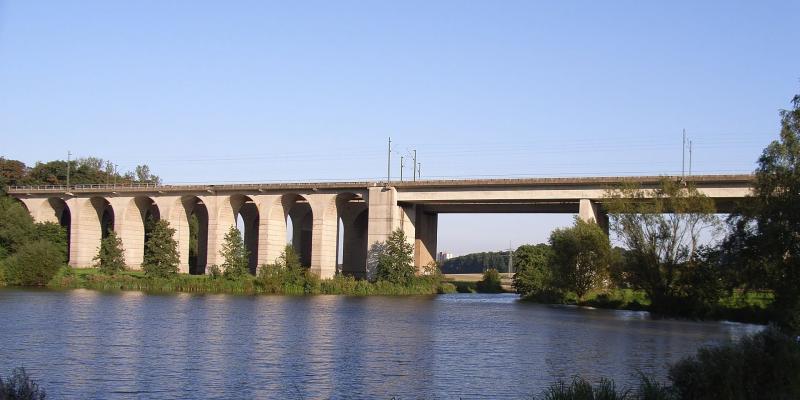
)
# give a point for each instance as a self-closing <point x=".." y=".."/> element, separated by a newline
<point x="20" y="386"/>
<point x="396" y="259"/>
<point x="214" y="271"/>
<point x="490" y="282"/>
<point x="235" y="255"/>
<point x="110" y="259"/>
<point x="762" y="366"/>
<point x="532" y="269"/>
<point x="34" y="264"/>
<point x="161" y="251"/>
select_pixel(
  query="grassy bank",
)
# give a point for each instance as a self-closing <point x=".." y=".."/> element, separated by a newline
<point x="750" y="307"/>
<point x="92" y="278"/>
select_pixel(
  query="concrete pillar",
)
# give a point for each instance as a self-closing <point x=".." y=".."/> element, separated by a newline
<point x="302" y="231"/>
<point x="174" y="210"/>
<point x="271" y="227"/>
<point x="86" y="231"/>
<point x="323" y="242"/>
<point x="129" y="226"/>
<point x="220" y="219"/>
<point x="590" y="211"/>
<point x="384" y="217"/>
<point x="427" y="224"/>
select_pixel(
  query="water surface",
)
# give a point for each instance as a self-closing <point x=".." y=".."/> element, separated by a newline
<point x="89" y="344"/>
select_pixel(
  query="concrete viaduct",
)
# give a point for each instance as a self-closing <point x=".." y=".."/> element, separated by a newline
<point x="369" y="212"/>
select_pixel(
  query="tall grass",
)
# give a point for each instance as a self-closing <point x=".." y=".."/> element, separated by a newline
<point x="20" y="386"/>
<point x="270" y="280"/>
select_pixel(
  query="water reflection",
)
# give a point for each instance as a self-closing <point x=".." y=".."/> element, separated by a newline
<point x="86" y="344"/>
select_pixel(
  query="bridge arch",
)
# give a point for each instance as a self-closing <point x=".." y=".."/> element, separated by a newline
<point x="55" y="210"/>
<point x="244" y="214"/>
<point x="349" y="211"/>
<point x="289" y="221"/>
<point x="135" y="226"/>
<point x="189" y="218"/>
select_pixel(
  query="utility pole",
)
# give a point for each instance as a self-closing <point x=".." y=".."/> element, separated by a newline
<point x="69" y="157"/>
<point x="510" y="259"/>
<point x="415" y="163"/>
<point x="690" y="158"/>
<point x="401" y="168"/>
<point x="115" y="175"/>
<point x="683" y="155"/>
<point x="389" y="163"/>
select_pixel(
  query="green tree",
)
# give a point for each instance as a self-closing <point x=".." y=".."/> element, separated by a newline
<point x="490" y="283"/>
<point x="580" y="257"/>
<point x="764" y="245"/>
<point x="53" y="233"/>
<point x="161" y="251"/>
<point x="16" y="225"/>
<point x="235" y="254"/>
<point x="532" y="269"/>
<point x="33" y="264"/>
<point x="110" y="259"/>
<point x="396" y="259"/>
<point x="661" y="230"/>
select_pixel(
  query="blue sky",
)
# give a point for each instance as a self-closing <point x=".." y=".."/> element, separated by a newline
<point x="268" y="91"/>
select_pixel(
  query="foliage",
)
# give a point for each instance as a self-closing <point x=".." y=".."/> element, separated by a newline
<point x="532" y="272"/>
<point x="214" y="271"/>
<point x="34" y="264"/>
<point x="53" y="233"/>
<point x="580" y="258"/>
<point x="606" y="389"/>
<point x="161" y="251"/>
<point x="396" y="261"/>
<point x="764" y="245"/>
<point x="287" y="276"/>
<point x="490" y="282"/>
<point x="20" y="386"/>
<point x="661" y="229"/>
<point x="110" y="258"/>
<point x="143" y="175"/>
<point x="16" y="225"/>
<point x="762" y="366"/>
<point x="235" y="255"/>
<point x="476" y="263"/>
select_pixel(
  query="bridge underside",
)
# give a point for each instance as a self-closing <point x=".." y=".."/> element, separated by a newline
<point x="324" y="216"/>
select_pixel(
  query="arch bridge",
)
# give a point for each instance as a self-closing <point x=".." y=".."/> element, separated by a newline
<point x="320" y="215"/>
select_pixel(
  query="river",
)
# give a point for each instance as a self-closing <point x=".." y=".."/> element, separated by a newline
<point x="89" y="344"/>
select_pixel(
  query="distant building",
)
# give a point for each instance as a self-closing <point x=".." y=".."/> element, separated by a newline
<point x="442" y="257"/>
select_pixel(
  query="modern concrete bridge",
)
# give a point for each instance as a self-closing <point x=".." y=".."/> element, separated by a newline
<point x="369" y="212"/>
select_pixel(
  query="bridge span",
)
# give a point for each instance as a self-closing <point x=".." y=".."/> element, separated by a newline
<point x="369" y="212"/>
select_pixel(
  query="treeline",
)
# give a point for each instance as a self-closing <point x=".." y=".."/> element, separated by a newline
<point x="476" y="263"/>
<point x="661" y="231"/>
<point x="87" y="170"/>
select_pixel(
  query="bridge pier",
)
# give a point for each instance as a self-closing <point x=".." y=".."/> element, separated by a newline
<point x="592" y="211"/>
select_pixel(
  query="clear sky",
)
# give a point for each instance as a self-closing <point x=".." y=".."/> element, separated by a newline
<point x="268" y="91"/>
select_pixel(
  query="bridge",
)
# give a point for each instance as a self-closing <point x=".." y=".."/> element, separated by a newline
<point x="368" y="212"/>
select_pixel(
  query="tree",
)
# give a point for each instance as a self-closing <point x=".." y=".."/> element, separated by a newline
<point x="235" y="254"/>
<point x="661" y="230"/>
<point x="532" y="269"/>
<point x="396" y="259"/>
<point x="161" y="251"/>
<point x="764" y="244"/>
<point x="16" y="225"/>
<point x="143" y="175"/>
<point x="110" y="259"/>
<point x="580" y="256"/>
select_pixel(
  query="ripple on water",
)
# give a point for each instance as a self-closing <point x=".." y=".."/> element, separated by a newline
<point x="87" y="344"/>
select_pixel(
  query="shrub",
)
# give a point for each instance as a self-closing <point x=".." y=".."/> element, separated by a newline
<point x="214" y="271"/>
<point x="110" y="259"/>
<point x="34" y="264"/>
<point x="490" y="282"/>
<point x="235" y="255"/>
<point x="532" y="272"/>
<point x="396" y="259"/>
<point x="20" y="386"/>
<point x="762" y="366"/>
<point x="606" y="389"/>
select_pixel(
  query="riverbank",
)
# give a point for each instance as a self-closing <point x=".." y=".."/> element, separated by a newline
<point x="748" y="307"/>
<point x="92" y="278"/>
